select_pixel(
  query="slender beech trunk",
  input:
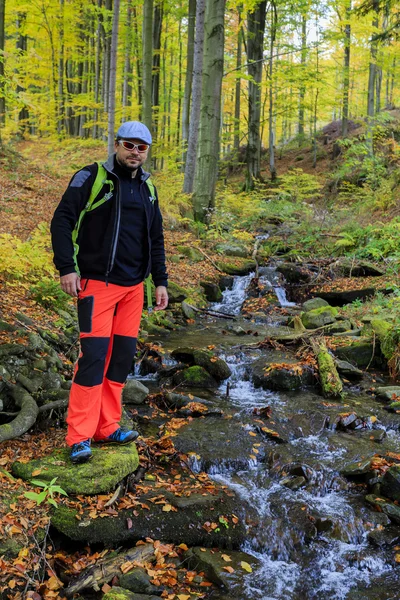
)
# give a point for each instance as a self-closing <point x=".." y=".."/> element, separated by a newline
<point x="155" y="83"/>
<point x="236" y="135"/>
<point x="392" y="81"/>
<point x="191" y="156"/>
<point x="302" y="91"/>
<point x="61" y="99"/>
<point x="138" y="62"/>
<point x="210" y="113"/>
<point x="147" y="62"/>
<point x="113" y="78"/>
<point x="272" y="167"/>
<point x="255" y="46"/>
<point x="107" y="57"/>
<point x="97" y="69"/>
<point x="22" y="46"/>
<point x="2" y="84"/>
<point x="188" y="78"/>
<point x="126" y="86"/>
<point x="346" y="71"/>
<point x="372" y="64"/>
<point x="178" y="117"/>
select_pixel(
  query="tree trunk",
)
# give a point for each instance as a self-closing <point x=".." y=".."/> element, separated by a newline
<point x="2" y="84"/>
<point x="61" y="100"/>
<point x="255" y="46"/>
<point x="178" y="116"/>
<point x="272" y="167"/>
<point x="138" y="62"/>
<point x="147" y="63"/>
<point x="107" y="52"/>
<point x="113" y="77"/>
<point x="126" y="86"/>
<point x="191" y="156"/>
<point x="97" y="70"/>
<point x="302" y="91"/>
<point x="210" y="113"/>
<point x="372" y="64"/>
<point x="189" y="77"/>
<point x="346" y="72"/>
<point x="22" y="45"/>
<point x="155" y="83"/>
<point x="236" y="135"/>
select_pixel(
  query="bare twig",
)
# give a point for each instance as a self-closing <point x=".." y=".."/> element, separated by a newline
<point x="210" y="259"/>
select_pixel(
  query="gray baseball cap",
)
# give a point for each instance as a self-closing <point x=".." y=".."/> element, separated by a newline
<point x="134" y="130"/>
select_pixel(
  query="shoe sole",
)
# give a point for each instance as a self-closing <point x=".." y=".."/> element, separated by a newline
<point x="116" y="443"/>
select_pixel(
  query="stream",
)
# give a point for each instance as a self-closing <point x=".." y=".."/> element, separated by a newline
<point x="311" y="539"/>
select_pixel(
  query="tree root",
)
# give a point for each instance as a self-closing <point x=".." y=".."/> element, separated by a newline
<point x="25" y="418"/>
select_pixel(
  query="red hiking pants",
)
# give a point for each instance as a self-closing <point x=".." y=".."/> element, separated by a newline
<point x="109" y="319"/>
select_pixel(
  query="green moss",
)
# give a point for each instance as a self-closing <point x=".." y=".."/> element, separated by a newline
<point x="241" y="267"/>
<point x="330" y="381"/>
<point x="318" y="317"/>
<point x="110" y="464"/>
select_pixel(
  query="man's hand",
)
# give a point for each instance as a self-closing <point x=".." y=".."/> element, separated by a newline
<point x="71" y="284"/>
<point x="161" y="298"/>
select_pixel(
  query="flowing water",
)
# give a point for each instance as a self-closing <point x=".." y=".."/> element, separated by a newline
<point x="311" y="541"/>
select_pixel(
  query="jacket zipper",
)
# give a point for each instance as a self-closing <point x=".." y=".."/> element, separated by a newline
<point x="114" y="242"/>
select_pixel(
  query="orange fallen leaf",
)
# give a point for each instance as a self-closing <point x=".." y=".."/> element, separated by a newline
<point x="229" y="569"/>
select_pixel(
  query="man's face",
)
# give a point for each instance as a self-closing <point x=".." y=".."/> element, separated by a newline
<point x="130" y="159"/>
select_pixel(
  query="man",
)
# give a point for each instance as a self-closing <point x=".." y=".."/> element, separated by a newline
<point x="104" y="247"/>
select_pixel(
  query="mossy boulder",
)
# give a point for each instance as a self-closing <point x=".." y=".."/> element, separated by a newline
<point x="362" y="352"/>
<point x="215" y="366"/>
<point x="138" y="581"/>
<point x="232" y="249"/>
<point x="390" y="485"/>
<point x="193" y="254"/>
<point x="281" y="372"/>
<point x="239" y="267"/>
<point x="294" y="273"/>
<point x="318" y="317"/>
<point x="212" y="291"/>
<point x="314" y="303"/>
<point x="195" y="377"/>
<point x="390" y="392"/>
<point x="109" y="465"/>
<point x="176" y="293"/>
<point x="183" y="525"/>
<point x="385" y="506"/>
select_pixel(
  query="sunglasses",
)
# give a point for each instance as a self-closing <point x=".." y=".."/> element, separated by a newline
<point x="131" y="146"/>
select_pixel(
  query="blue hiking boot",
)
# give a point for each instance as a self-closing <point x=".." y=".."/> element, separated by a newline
<point x="81" y="452"/>
<point x="120" y="436"/>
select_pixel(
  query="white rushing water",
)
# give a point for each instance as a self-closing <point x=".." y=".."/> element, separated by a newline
<point x="233" y="299"/>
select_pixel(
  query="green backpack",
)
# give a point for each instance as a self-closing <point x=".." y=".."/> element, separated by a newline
<point x="101" y="179"/>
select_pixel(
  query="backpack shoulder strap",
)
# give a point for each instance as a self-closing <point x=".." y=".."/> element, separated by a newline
<point x="152" y="190"/>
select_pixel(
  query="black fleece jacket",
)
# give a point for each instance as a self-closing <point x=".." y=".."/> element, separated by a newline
<point x="103" y="227"/>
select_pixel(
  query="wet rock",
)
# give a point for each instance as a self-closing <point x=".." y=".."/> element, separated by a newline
<point x="280" y="372"/>
<point x="294" y="273"/>
<point x="394" y="407"/>
<point x="195" y="377"/>
<point x="293" y="483"/>
<point x="119" y="593"/>
<point x="304" y="425"/>
<point x="384" y="537"/>
<point x="213" y="563"/>
<point x="138" y="581"/>
<point x="226" y="282"/>
<point x="134" y="392"/>
<point x="357" y="469"/>
<point x="239" y="267"/>
<point x="348" y="370"/>
<point x="339" y="327"/>
<point x="342" y="297"/>
<point x="391" y="392"/>
<point x="345" y="420"/>
<point x="362" y="353"/>
<point x="377" y="435"/>
<point x="110" y="464"/>
<point x="314" y="303"/>
<point x="185" y="524"/>
<point x="202" y="440"/>
<point x="187" y="310"/>
<point x="51" y="381"/>
<point x="385" y="506"/>
<point x="215" y="366"/>
<point x="391" y="483"/>
<point x="318" y="317"/>
<point x="211" y="291"/>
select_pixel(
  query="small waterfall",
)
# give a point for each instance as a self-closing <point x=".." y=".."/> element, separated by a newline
<point x="232" y="300"/>
<point x="271" y="279"/>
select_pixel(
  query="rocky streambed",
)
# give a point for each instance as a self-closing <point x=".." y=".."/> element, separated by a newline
<point x="268" y="488"/>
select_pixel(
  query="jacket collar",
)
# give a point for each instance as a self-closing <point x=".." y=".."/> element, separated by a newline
<point x="109" y="166"/>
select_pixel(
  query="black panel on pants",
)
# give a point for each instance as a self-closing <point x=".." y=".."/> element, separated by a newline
<point x="91" y="364"/>
<point x="122" y="355"/>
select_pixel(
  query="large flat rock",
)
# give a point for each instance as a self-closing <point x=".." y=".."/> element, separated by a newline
<point x="109" y="465"/>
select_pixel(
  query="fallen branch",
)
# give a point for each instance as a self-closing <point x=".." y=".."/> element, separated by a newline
<point x="25" y="418"/>
<point x="53" y="405"/>
<point x="210" y="259"/>
<point x="95" y="576"/>
<point x="213" y="313"/>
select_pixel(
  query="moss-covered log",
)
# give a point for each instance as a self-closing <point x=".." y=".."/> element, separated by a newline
<point x="25" y="418"/>
<point x="331" y="383"/>
<point x="94" y="577"/>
